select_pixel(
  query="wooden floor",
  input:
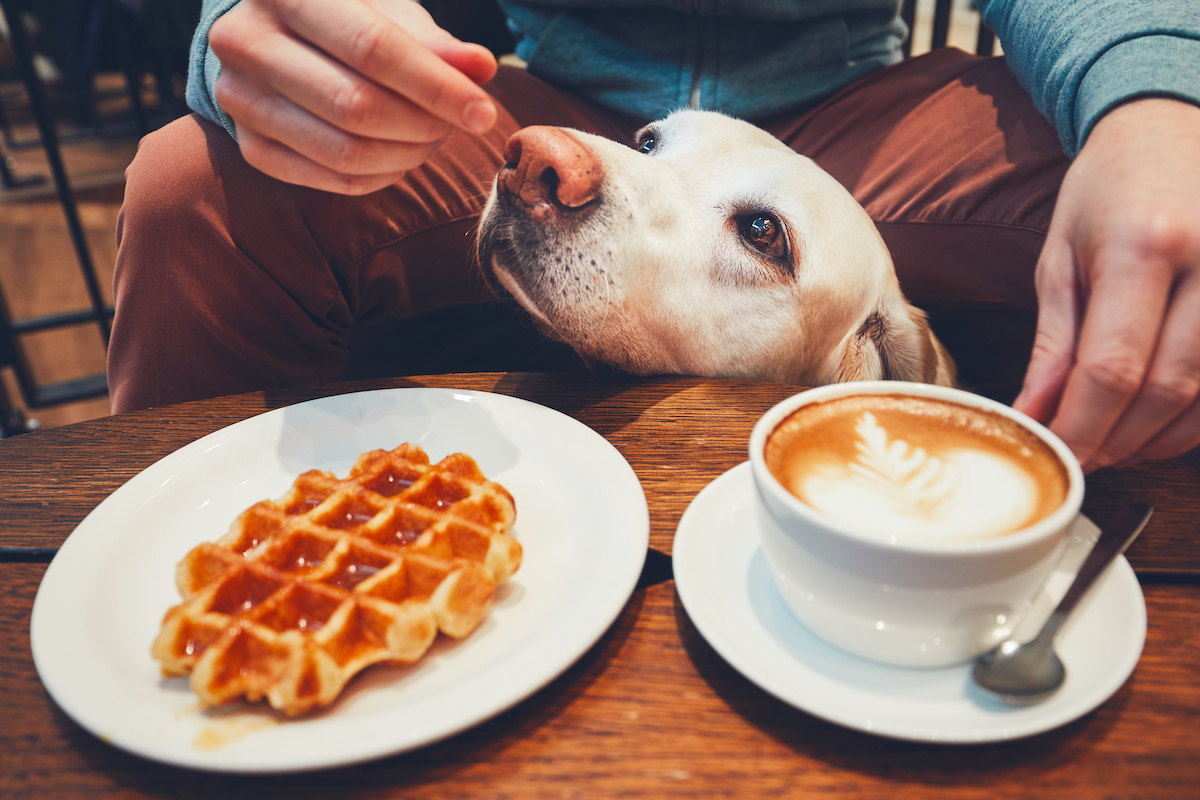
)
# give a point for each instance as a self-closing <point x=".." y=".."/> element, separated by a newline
<point x="39" y="272"/>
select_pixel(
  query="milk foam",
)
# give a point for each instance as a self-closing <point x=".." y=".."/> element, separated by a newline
<point x="894" y="489"/>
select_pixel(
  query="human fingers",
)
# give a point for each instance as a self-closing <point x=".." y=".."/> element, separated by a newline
<point x="267" y="68"/>
<point x="265" y="119"/>
<point x="473" y="60"/>
<point x="1121" y="327"/>
<point x="294" y="72"/>
<point x="1164" y="419"/>
<point x="283" y="163"/>
<point x="1172" y="441"/>
<point x="1057" y="329"/>
<point x="374" y="46"/>
<point x="257" y="43"/>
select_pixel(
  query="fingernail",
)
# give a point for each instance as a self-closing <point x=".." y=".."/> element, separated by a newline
<point x="478" y="116"/>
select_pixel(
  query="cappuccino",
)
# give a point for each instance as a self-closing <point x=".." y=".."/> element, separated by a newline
<point x="911" y="467"/>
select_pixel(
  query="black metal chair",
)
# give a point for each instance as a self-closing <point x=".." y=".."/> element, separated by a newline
<point x="154" y="41"/>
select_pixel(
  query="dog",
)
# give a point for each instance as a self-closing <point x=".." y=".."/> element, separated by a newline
<point x="708" y="248"/>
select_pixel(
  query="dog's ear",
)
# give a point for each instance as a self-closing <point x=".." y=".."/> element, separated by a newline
<point x="895" y="346"/>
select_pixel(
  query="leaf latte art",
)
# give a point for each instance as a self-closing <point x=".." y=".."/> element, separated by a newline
<point x="907" y="479"/>
<point x="915" y="467"/>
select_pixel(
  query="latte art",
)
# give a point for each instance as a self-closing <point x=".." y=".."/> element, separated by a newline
<point x="916" y="468"/>
<point x="893" y="488"/>
<point x="907" y="479"/>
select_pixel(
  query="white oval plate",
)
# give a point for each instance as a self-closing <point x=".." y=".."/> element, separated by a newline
<point x="726" y="586"/>
<point x="581" y="519"/>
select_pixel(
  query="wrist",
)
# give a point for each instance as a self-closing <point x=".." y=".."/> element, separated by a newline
<point x="1144" y="116"/>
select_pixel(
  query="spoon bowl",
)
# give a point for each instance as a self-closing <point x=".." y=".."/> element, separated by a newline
<point x="1028" y="672"/>
<point x="1021" y="673"/>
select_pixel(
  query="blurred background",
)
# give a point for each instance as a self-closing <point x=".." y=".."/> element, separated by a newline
<point x="81" y="81"/>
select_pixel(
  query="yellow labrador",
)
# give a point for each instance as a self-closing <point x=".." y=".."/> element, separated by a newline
<point x="709" y="248"/>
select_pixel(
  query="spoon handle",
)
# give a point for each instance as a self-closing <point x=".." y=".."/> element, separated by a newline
<point x="1114" y="538"/>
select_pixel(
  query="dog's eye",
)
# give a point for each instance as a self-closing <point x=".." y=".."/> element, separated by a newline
<point x="763" y="232"/>
<point x="647" y="142"/>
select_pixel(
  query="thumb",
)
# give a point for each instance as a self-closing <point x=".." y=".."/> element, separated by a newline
<point x="473" y="60"/>
<point x="1057" y="333"/>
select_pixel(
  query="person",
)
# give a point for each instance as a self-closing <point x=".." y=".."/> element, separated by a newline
<point x="342" y="150"/>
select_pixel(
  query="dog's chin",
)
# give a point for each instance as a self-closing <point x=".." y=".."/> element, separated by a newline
<point x="493" y="248"/>
<point x="510" y="287"/>
<point x="500" y="276"/>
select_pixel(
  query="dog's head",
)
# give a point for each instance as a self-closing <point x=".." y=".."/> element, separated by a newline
<point x="709" y="248"/>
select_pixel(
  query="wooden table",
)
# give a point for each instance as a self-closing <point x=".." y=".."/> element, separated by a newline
<point x="650" y="709"/>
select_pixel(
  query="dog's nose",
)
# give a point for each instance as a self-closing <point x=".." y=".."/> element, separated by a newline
<point x="549" y="166"/>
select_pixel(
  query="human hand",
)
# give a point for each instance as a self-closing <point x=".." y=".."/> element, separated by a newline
<point x="345" y="95"/>
<point x="1116" y="362"/>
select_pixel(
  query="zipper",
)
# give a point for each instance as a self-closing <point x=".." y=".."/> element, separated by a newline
<point x="698" y="66"/>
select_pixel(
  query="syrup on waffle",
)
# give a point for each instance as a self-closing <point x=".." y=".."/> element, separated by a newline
<point x="306" y="591"/>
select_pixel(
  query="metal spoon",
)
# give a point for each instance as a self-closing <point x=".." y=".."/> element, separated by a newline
<point x="1028" y="672"/>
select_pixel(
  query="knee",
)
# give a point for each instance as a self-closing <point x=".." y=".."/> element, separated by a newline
<point x="172" y="178"/>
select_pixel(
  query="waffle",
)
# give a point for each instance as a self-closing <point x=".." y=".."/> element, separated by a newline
<point x="306" y="591"/>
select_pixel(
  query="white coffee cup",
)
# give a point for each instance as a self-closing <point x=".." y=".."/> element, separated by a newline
<point x="906" y="601"/>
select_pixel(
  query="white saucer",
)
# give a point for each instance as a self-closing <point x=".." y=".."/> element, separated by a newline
<point x="725" y="584"/>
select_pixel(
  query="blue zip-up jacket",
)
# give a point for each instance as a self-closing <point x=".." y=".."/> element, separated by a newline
<point x="756" y="59"/>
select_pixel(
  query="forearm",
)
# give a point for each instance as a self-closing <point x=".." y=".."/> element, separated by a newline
<point x="1080" y="60"/>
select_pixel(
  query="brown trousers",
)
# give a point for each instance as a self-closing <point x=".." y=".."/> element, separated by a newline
<point x="229" y="281"/>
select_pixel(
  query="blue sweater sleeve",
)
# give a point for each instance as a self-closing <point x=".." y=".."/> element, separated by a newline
<point x="1076" y="58"/>
<point x="204" y="68"/>
<point x="1079" y="59"/>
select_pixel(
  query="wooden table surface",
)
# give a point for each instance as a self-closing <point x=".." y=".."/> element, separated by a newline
<point x="650" y="709"/>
